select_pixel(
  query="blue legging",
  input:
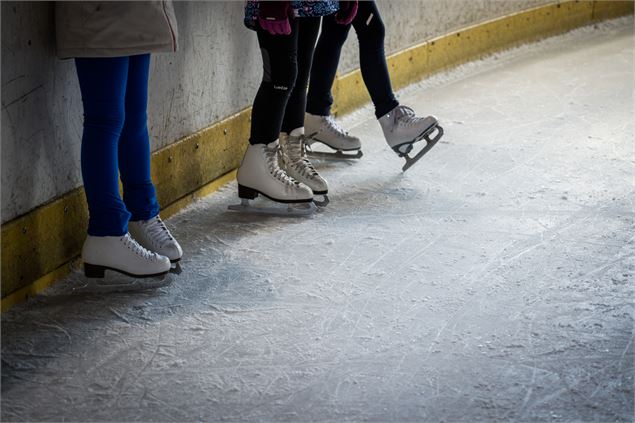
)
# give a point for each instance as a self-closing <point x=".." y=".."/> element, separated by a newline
<point x="115" y="142"/>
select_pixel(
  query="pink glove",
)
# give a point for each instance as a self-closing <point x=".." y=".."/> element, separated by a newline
<point x="273" y="16"/>
<point x="347" y="12"/>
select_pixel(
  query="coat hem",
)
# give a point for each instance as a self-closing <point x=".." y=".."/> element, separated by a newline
<point x="72" y="52"/>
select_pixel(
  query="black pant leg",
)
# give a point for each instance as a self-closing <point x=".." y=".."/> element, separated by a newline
<point x="280" y="68"/>
<point x="325" y="61"/>
<point x="372" y="57"/>
<point x="308" y="29"/>
<point x="370" y="33"/>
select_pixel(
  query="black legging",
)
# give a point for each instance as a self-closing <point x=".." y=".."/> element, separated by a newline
<point x="281" y="98"/>
<point x="372" y="59"/>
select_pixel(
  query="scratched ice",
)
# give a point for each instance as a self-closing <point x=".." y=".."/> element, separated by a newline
<point x="492" y="281"/>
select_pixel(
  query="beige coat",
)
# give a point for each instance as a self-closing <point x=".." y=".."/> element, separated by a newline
<point x="117" y="28"/>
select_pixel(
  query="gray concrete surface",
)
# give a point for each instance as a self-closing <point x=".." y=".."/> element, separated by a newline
<point x="214" y="75"/>
<point x="491" y="282"/>
<point x="409" y="22"/>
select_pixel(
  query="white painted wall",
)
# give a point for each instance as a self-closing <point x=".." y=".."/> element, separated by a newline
<point x="215" y="74"/>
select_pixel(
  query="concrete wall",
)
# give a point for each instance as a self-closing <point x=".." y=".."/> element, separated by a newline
<point x="409" y="22"/>
<point x="215" y="74"/>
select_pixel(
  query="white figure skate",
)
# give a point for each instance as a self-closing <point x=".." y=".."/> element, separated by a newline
<point x="325" y="130"/>
<point x="153" y="235"/>
<point x="260" y="173"/>
<point x="130" y="266"/>
<point x="402" y="129"/>
<point x="293" y="160"/>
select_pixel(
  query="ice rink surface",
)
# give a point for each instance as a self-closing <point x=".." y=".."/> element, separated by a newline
<point x="492" y="281"/>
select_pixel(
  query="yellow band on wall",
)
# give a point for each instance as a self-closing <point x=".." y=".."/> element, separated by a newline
<point x="37" y="247"/>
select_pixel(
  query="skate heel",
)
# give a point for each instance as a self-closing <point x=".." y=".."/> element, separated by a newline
<point x="246" y="192"/>
<point x="94" y="271"/>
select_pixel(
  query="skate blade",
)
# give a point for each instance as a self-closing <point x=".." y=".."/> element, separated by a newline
<point x="290" y="210"/>
<point x="430" y="142"/>
<point x="176" y="269"/>
<point x="338" y="155"/>
<point x="121" y="283"/>
<point x="322" y="203"/>
<point x="335" y="155"/>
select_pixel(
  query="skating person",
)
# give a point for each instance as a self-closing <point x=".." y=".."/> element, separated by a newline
<point x="113" y="68"/>
<point x="275" y="164"/>
<point x="401" y="127"/>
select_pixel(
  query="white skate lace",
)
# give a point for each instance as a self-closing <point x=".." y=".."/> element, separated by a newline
<point x="136" y="248"/>
<point x="405" y="116"/>
<point x="296" y="155"/>
<point x="158" y="232"/>
<point x="333" y="126"/>
<point x="272" y="155"/>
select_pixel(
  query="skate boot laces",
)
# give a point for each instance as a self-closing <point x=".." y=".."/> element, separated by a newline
<point x="333" y="126"/>
<point x="273" y="155"/>
<point x="158" y="232"/>
<point x="405" y="116"/>
<point x="136" y="248"/>
<point x="297" y="158"/>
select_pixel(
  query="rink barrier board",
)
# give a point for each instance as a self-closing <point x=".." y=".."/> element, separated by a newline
<point x="48" y="238"/>
<point x="38" y="247"/>
<point x="31" y="290"/>
<point x="477" y="41"/>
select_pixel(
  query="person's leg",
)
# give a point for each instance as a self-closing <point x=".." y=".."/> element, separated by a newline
<point x="308" y="29"/>
<point x="102" y="82"/>
<point x="139" y="193"/>
<point x="259" y="172"/>
<point x="372" y="57"/>
<point x="280" y="67"/>
<point x="325" y="60"/>
<point x="108" y="246"/>
<point x="401" y="127"/>
<point x="319" y="124"/>
<point x="294" y="160"/>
